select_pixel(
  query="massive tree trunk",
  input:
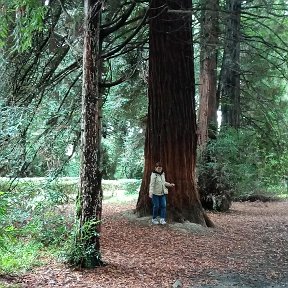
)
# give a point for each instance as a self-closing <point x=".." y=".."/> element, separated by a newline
<point x="90" y="194"/>
<point x="171" y="124"/>
<point x="230" y="79"/>
<point x="207" y="119"/>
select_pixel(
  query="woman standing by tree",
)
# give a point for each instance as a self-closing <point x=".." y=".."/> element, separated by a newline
<point x="158" y="191"/>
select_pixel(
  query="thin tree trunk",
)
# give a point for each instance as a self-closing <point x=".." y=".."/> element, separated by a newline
<point x="90" y="195"/>
<point x="230" y="79"/>
<point x="171" y="125"/>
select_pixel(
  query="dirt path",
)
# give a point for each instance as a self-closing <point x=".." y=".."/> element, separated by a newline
<point x="248" y="248"/>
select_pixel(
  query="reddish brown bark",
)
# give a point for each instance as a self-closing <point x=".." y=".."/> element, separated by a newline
<point x="171" y="124"/>
<point x="90" y="195"/>
<point x="212" y="194"/>
<point x="207" y="119"/>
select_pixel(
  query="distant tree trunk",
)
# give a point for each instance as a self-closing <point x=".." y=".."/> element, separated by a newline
<point x="230" y="79"/>
<point x="212" y="195"/>
<point x="90" y="194"/>
<point x="171" y="124"/>
<point x="23" y="172"/>
<point x="207" y="119"/>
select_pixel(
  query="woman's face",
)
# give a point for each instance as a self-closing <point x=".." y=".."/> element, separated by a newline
<point x="158" y="169"/>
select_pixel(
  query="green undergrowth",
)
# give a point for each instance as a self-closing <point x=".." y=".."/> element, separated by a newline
<point x="64" y="189"/>
<point x="37" y="218"/>
<point x="19" y="256"/>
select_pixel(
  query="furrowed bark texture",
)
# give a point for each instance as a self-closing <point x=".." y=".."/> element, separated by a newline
<point x="230" y="80"/>
<point x="90" y="197"/>
<point x="212" y="194"/>
<point x="171" y="125"/>
<point x="207" y="119"/>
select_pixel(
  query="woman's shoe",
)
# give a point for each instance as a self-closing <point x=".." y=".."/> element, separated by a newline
<point x="162" y="221"/>
<point x="155" y="221"/>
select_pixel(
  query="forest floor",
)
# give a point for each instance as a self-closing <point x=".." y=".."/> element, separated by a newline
<point x="247" y="248"/>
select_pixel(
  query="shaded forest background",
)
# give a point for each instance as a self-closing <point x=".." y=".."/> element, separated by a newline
<point x="41" y="92"/>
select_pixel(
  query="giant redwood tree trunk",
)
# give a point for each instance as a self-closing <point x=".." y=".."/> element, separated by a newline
<point x="90" y="195"/>
<point x="230" y="80"/>
<point x="171" y="125"/>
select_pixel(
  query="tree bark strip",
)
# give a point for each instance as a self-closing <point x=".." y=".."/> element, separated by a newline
<point x="230" y="80"/>
<point x="207" y="119"/>
<point x="90" y="197"/>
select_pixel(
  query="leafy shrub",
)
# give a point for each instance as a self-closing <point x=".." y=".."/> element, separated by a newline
<point x="131" y="186"/>
<point x="19" y="255"/>
<point x="33" y="208"/>
<point x="49" y="227"/>
<point x="39" y="209"/>
<point x="5" y="230"/>
<point x="78" y="250"/>
<point x="245" y="165"/>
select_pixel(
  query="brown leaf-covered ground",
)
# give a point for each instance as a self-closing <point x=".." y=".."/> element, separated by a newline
<point x="247" y="248"/>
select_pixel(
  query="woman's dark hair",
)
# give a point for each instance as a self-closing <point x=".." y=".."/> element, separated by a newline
<point x="158" y="164"/>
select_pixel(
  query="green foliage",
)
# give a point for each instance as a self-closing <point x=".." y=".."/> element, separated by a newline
<point x="49" y="228"/>
<point x="264" y="102"/>
<point x="35" y="217"/>
<point x="131" y="186"/>
<point x="5" y="229"/>
<point x="80" y="250"/>
<point x="49" y="225"/>
<point x="34" y="209"/>
<point x="23" y="18"/>
<point x="19" y="256"/>
<point x="124" y="142"/>
<point x="15" y="255"/>
<point x="37" y="213"/>
<point x="40" y="113"/>
<point x="245" y="165"/>
<point x="29" y="148"/>
<point x="27" y="196"/>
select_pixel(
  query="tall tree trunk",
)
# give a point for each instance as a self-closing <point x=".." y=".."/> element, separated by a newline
<point x="230" y="79"/>
<point x="207" y="119"/>
<point x="171" y="124"/>
<point x="90" y="194"/>
<point x="212" y="195"/>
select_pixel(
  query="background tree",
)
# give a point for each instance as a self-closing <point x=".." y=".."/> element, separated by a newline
<point x="212" y="194"/>
<point x="230" y="70"/>
<point x="209" y="34"/>
<point x="263" y="52"/>
<point x="229" y="175"/>
<point x="171" y="124"/>
<point x="53" y="60"/>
